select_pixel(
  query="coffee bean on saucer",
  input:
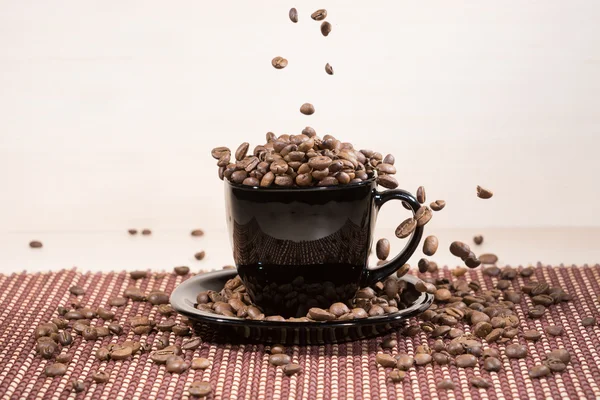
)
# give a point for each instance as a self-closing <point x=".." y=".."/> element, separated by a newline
<point x="325" y="28"/>
<point x="430" y="245"/>
<point x="406" y="228"/>
<point x="445" y="384"/>
<point x="200" y="389"/>
<point x="200" y="255"/>
<point x="318" y="314"/>
<point x="35" y="244"/>
<point x="588" y="321"/>
<point x="478" y="239"/>
<point x="279" y="359"/>
<point x="383" y="249"/>
<point x="539" y="371"/>
<point x="146" y="232"/>
<point x="200" y="363"/>
<point x="421" y="194"/>
<point x="437" y="205"/>
<point x="101" y="377"/>
<point x="293" y="14"/>
<point x="329" y="69"/>
<point x="479" y="382"/>
<point x="554" y="330"/>
<point x="319" y="15"/>
<point x="279" y="63"/>
<point x="488" y="258"/>
<point x="56" y="369"/>
<point x="483" y="193"/>
<point x="307" y="109"/>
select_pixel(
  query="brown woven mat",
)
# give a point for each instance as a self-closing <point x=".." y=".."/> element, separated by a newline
<point x="242" y="371"/>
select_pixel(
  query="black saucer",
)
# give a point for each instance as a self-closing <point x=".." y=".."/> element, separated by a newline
<point x="229" y="329"/>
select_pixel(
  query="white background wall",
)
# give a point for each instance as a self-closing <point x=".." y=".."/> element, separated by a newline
<point x="109" y="109"/>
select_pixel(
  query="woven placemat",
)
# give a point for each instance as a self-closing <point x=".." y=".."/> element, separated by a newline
<point x="243" y="372"/>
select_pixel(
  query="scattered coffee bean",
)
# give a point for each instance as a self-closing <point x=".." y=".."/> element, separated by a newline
<point x="319" y="15"/>
<point x="430" y="245"/>
<point x="278" y="63"/>
<point x="105" y="314"/>
<point x="459" y="249"/>
<point x="200" y="255"/>
<point x="157" y="298"/>
<point x="291" y="369"/>
<point x="200" y="363"/>
<point x="484" y="193"/>
<point x="135" y="275"/>
<point x="588" y="321"/>
<point x="307" y="109"/>
<point x="325" y="28"/>
<point x="65" y="338"/>
<point x="406" y="227"/>
<point x="396" y="375"/>
<point x="488" y="258"/>
<point x="177" y="365"/>
<point x="115" y="329"/>
<point x="536" y="311"/>
<point x="478" y="239"/>
<point x="385" y="360"/>
<point x="383" y="249"/>
<point x="441" y="358"/>
<point x="78" y="386"/>
<point x="77" y="290"/>
<point x="492" y="364"/>
<point x="329" y="69"/>
<point x="279" y="359"/>
<point x="554" y="330"/>
<point x="539" y="371"/>
<point x="200" y="389"/>
<point x="479" y="382"/>
<point x="555" y="365"/>
<point x="56" y="369"/>
<point x="445" y="384"/>
<point x="34" y="244"/>
<point x="559" y="354"/>
<point x="191" y="344"/>
<point x="404" y="362"/>
<point x="64" y="358"/>
<point x="101" y="377"/>
<point x="389" y="343"/>
<point x="293" y="14"/>
<point x="466" y="361"/>
<point x="181" y="330"/>
<point x="516" y="351"/>
<point x="90" y="333"/>
<point x="181" y="271"/>
<point x="117" y="301"/>
<point x="146" y="232"/>
<point x="423" y="358"/>
<point x="532" y="334"/>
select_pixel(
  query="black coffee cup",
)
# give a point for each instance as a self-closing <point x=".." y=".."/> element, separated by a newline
<point x="297" y="248"/>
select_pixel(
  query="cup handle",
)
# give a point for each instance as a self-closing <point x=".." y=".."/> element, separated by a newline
<point x="373" y="275"/>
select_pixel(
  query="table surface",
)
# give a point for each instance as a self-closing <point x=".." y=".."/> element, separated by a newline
<point x="117" y="250"/>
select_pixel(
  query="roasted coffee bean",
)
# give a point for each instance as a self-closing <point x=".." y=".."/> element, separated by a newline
<point x="479" y="382"/>
<point x="442" y="295"/>
<point x="554" y="330"/>
<point x="430" y="245"/>
<point x="293" y="14"/>
<point x="559" y="354"/>
<point x="200" y="255"/>
<point x="102" y="331"/>
<point x="459" y="249"/>
<point x="117" y="301"/>
<point x="291" y="369"/>
<point x="588" y="321"/>
<point x="482" y="329"/>
<point x="77" y="290"/>
<point x="279" y="359"/>
<point x="396" y="375"/>
<point x="494" y="335"/>
<point x="390" y="287"/>
<point x="181" y="330"/>
<point x="177" y="365"/>
<point x="146" y="232"/>
<point x="318" y="314"/>
<point x="555" y="365"/>
<point x="73" y="315"/>
<point x="389" y="343"/>
<point x="319" y="15"/>
<point x="383" y="249"/>
<point x="103" y="354"/>
<point x="532" y="334"/>
<point x="488" y="258"/>
<point x="200" y="389"/>
<point x="105" y="314"/>
<point x="35" y="244"/>
<point x="121" y="352"/>
<point x="161" y="356"/>
<point x="539" y="371"/>
<point x="510" y="333"/>
<point x="423" y="265"/>
<point x="385" y="360"/>
<point x="307" y="109"/>
<point x="483" y="193"/>
<point x="492" y="364"/>
<point x="421" y="197"/>
<point x="440" y="331"/>
<point x="536" y="311"/>
<point x="329" y="69"/>
<point x="423" y="358"/>
<point x="181" y="271"/>
<point x="512" y="296"/>
<point x="115" y="329"/>
<point x="47" y="349"/>
<point x="403" y="270"/>
<point x="90" y="333"/>
<point x="78" y="386"/>
<point x="466" y="361"/>
<point x="441" y="358"/>
<point x="471" y="261"/>
<point x="404" y="362"/>
<point x="516" y="351"/>
<point x="406" y="228"/>
<point x="445" y="384"/>
<point x="101" y="377"/>
<point x="278" y="63"/>
<point x="478" y="239"/>
<point x="455" y="348"/>
<point x="191" y="344"/>
<point x="384" y="168"/>
<point x="138" y="274"/>
<point x="200" y="363"/>
<point x="56" y="369"/>
<point x="438" y="205"/>
<point x="65" y="338"/>
<point x="325" y="28"/>
<point x="423" y="215"/>
<point x="157" y="298"/>
<point x="387" y="181"/>
<point x="527" y="271"/>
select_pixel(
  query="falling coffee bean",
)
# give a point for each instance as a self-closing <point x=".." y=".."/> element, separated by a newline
<point x="383" y="249"/>
<point x="403" y="270"/>
<point x="181" y="271"/>
<point x="325" y="28"/>
<point x="478" y="239"/>
<point x="197" y="232"/>
<point x="319" y="15"/>
<point x="200" y="255"/>
<point x="488" y="258"/>
<point x="279" y="63"/>
<point x="430" y="245"/>
<point x="307" y="109"/>
<point x="406" y="228"/>
<point x="132" y="231"/>
<point x="483" y="193"/>
<point x="421" y="194"/>
<point x="437" y="205"/>
<point x="35" y="244"/>
<point x="423" y="215"/>
<point x="329" y="69"/>
<point x="146" y="232"/>
<point x="293" y="14"/>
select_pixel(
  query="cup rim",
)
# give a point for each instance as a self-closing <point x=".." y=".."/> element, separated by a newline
<point x="366" y="182"/>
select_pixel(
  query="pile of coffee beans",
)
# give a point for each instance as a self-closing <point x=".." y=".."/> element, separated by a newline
<point x="304" y="160"/>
